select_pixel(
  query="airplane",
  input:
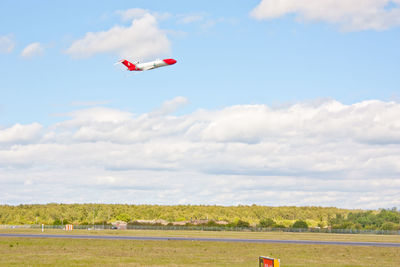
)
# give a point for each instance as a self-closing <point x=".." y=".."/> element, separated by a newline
<point x="137" y="66"/>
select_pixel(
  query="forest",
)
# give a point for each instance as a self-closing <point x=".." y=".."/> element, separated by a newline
<point x="241" y="215"/>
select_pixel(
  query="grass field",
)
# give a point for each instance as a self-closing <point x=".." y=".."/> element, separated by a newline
<point x="62" y="252"/>
<point x="222" y="234"/>
<point x="68" y="252"/>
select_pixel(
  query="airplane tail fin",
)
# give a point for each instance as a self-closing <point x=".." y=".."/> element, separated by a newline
<point x="127" y="64"/>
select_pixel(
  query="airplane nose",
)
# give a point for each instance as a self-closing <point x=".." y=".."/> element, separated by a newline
<point x="170" y="61"/>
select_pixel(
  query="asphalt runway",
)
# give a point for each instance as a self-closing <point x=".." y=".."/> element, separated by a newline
<point x="159" y="238"/>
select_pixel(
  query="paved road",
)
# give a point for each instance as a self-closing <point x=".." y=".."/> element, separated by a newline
<point x="159" y="238"/>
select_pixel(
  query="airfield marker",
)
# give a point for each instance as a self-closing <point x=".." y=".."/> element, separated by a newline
<point x="268" y="262"/>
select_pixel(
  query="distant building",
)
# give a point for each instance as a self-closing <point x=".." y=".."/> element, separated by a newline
<point x="159" y="221"/>
<point x="180" y="223"/>
<point x="120" y="225"/>
<point x="199" y="222"/>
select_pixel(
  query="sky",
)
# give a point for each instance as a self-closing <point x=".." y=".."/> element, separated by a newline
<point x="271" y="102"/>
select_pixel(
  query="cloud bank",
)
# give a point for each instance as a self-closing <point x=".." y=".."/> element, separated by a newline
<point x="142" y="39"/>
<point x="324" y="153"/>
<point x="350" y="15"/>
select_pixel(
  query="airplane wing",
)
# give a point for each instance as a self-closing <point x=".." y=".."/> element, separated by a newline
<point x="147" y="68"/>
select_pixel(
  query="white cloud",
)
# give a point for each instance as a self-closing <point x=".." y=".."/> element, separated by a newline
<point x="324" y="153"/>
<point x="351" y="15"/>
<point x="6" y="44"/>
<point x="34" y="49"/>
<point x="142" y="39"/>
<point x="20" y="133"/>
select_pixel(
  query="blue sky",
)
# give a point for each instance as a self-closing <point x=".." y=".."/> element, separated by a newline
<point x="237" y="59"/>
<point x="309" y="56"/>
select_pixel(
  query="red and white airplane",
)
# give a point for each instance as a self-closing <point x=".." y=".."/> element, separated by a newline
<point x="137" y="66"/>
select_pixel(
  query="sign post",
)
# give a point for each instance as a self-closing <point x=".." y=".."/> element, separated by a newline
<point x="268" y="262"/>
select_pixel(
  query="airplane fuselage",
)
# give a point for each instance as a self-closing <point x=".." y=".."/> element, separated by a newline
<point x="148" y="65"/>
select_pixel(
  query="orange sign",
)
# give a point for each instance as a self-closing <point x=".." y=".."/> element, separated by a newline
<point x="268" y="262"/>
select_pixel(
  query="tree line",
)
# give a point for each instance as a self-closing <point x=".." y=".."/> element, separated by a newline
<point x="241" y="215"/>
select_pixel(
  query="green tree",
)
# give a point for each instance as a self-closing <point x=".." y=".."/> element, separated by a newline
<point x="300" y="224"/>
<point x="268" y="222"/>
<point x="390" y="226"/>
<point x="242" y="223"/>
<point x="123" y="217"/>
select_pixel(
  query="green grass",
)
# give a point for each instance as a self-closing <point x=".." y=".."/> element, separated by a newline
<point x="70" y="252"/>
<point x="223" y="234"/>
<point x="17" y="251"/>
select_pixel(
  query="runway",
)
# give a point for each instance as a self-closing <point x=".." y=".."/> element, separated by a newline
<point x="159" y="238"/>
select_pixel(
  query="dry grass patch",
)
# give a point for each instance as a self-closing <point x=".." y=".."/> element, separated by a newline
<point x="86" y="252"/>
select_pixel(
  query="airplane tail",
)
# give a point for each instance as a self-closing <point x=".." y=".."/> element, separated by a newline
<point x="128" y="64"/>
